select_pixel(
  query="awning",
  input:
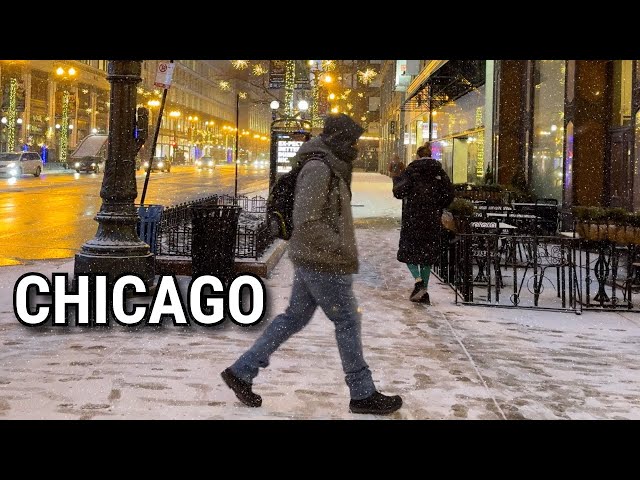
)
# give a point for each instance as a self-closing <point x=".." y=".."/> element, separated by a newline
<point x="446" y="84"/>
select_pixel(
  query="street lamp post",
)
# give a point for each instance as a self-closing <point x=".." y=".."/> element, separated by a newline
<point x="235" y="191"/>
<point x="116" y="248"/>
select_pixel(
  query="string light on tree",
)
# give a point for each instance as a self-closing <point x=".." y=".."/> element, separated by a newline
<point x="64" y="127"/>
<point x="65" y="78"/>
<point x="11" y="125"/>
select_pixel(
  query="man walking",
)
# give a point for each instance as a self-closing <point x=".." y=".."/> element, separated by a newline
<point x="323" y="251"/>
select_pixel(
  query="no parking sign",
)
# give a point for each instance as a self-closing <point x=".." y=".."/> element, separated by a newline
<point x="164" y="74"/>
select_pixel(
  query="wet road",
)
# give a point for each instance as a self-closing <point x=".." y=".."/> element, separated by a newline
<point x="52" y="216"/>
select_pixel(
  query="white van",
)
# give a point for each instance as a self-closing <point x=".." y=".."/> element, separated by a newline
<point x="16" y="164"/>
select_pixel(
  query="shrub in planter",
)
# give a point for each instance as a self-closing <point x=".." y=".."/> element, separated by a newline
<point x="633" y="233"/>
<point x="589" y="222"/>
<point x="617" y="225"/>
<point x="456" y="215"/>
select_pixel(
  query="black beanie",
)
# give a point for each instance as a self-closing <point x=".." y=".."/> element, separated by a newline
<point x="342" y="123"/>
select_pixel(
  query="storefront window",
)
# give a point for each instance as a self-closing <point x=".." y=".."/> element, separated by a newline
<point x="636" y="163"/>
<point x="461" y="115"/>
<point x="458" y="128"/>
<point x="568" y="167"/>
<point x="621" y="93"/>
<point x="102" y="110"/>
<point x="548" y="133"/>
<point x="422" y="131"/>
<point x="38" y="124"/>
<point x="84" y="112"/>
<point x="443" y="151"/>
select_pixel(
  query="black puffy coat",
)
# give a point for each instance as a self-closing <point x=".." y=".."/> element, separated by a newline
<point x="425" y="189"/>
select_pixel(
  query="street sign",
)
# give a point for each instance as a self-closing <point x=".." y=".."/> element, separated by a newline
<point x="277" y="71"/>
<point x="164" y="74"/>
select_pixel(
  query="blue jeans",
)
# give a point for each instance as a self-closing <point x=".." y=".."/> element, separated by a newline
<point x="334" y="294"/>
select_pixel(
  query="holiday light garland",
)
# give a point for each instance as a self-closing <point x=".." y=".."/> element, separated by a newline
<point x="64" y="127"/>
<point x="289" y="84"/>
<point x="11" y="121"/>
<point x="314" y="106"/>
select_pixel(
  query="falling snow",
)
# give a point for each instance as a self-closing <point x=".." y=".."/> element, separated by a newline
<point x="447" y="361"/>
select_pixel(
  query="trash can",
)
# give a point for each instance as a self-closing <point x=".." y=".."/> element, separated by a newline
<point x="149" y="217"/>
<point x="213" y="240"/>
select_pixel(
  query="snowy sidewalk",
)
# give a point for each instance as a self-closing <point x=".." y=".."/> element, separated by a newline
<point x="447" y="361"/>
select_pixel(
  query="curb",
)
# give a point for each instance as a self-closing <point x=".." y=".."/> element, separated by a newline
<point x="262" y="267"/>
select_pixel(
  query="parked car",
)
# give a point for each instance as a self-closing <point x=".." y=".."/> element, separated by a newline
<point x="162" y="164"/>
<point x="206" y="162"/>
<point x="89" y="164"/>
<point x="16" y="164"/>
<point x="90" y="154"/>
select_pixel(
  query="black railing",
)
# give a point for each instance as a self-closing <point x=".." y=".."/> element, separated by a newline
<point x="542" y="272"/>
<point x="610" y="273"/>
<point x="252" y="237"/>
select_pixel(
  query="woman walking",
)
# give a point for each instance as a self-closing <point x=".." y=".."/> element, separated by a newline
<point x="425" y="189"/>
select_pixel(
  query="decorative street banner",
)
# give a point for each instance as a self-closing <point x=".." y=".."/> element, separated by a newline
<point x="302" y="75"/>
<point x="277" y="71"/>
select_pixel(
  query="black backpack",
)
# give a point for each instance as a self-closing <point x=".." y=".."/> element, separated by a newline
<point x="281" y="198"/>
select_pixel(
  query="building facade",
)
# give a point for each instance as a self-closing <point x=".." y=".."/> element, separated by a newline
<point x="564" y="129"/>
<point x="42" y="97"/>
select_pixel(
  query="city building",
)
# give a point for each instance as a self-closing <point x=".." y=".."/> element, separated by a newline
<point x="50" y="105"/>
<point x="563" y="129"/>
<point x="355" y="90"/>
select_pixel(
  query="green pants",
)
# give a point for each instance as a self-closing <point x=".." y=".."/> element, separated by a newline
<point x="420" y="271"/>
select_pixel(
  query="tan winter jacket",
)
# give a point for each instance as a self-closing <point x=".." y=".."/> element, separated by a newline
<point x="323" y="237"/>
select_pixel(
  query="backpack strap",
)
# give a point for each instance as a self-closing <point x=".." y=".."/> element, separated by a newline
<point x="321" y="157"/>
